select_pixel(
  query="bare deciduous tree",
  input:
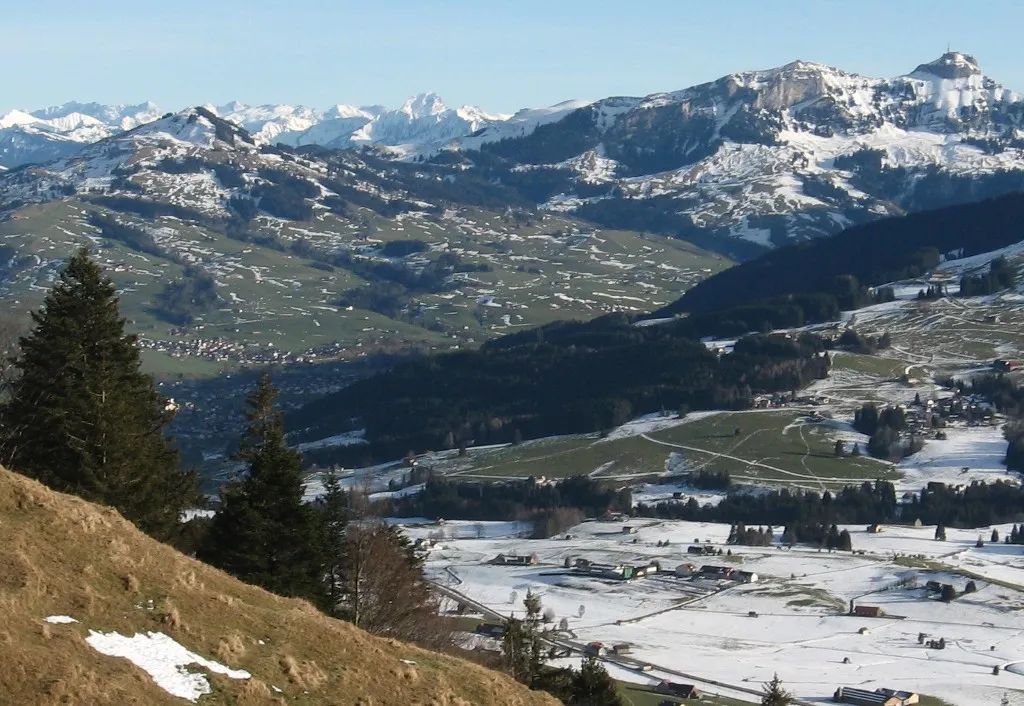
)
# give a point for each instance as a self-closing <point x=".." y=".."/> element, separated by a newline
<point x="386" y="592"/>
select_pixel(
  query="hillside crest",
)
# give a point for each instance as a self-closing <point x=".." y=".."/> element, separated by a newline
<point x="62" y="556"/>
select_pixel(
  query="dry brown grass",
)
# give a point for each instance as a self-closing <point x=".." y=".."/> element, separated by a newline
<point x="62" y="556"/>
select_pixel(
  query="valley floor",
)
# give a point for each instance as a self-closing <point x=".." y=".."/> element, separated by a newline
<point x="702" y="631"/>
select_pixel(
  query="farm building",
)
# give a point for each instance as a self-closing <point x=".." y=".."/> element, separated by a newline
<point x="686" y="570"/>
<point x="605" y="571"/>
<point x="622" y="649"/>
<point x="868" y="611"/>
<point x="706" y="549"/>
<point x="744" y="576"/>
<point x="874" y="529"/>
<point x="717" y="572"/>
<point x="515" y="560"/>
<point x="683" y="691"/>
<point x="594" y="648"/>
<point x="906" y="697"/>
<point x="879" y="697"/>
<point x="628" y="530"/>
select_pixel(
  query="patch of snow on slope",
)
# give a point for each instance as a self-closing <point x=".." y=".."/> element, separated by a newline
<point x="164" y="660"/>
<point x="60" y="619"/>
<point x="349" y="438"/>
<point x="650" y="423"/>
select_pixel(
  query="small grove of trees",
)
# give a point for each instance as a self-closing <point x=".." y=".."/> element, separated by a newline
<point x="182" y="300"/>
<point x="748" y="536"/>
<point x="80" y="416"/>
<point x="523" y="658"/>
<point x="1001" y="275"/>
<point x="858" y="343"/>
<point x="328" y="552"/>
<point x="884" y="427"/>
<point x="548" y="523"/>
<point x="705" y="479"/>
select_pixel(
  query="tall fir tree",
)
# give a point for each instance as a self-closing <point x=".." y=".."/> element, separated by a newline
<point x="263" y="533"/>
<point x="333" y="516"/>
<point x="81" y="416"/>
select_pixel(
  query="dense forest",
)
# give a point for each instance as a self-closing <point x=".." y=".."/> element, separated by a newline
<point x="584" y="378"/>
<point x="863" y="256"/>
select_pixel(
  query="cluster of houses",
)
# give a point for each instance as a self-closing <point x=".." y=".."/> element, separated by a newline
<point x="618" y="572"/>
<point x="710" y="571"/>
<point x="878" y="697"/>
<point x="625" y="572"/>
<point x="972" y="409"/>
<point x="782" y="399"/>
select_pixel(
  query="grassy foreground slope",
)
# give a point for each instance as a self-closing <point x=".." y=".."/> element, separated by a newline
<point x="62" y="556"/>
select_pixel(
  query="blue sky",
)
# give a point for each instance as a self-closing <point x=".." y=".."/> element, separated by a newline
<point x="501" y="55"/>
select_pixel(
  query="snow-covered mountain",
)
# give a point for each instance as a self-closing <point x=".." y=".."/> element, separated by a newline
<point x="422" y="120"/>
<point x="61" y="130"/>
<point x="792" y="152"/>
<point x="749" y="161"/>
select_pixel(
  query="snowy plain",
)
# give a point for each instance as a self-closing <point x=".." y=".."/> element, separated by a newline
<point x="802" y="629"/>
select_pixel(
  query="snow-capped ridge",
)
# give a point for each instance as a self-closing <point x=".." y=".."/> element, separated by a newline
<point x="951" y="65"/>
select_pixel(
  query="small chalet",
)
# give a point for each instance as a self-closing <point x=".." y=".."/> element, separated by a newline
<point x="874" y="529"/>
<point x="682" y="691"/>
<point x="878" y="697"/>
<point x="868" y="611"/>
<point x="515" y="560"/>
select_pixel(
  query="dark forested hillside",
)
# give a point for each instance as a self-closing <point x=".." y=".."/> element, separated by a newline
<point x="587" y="377"/>
<point x="871" y="254"/>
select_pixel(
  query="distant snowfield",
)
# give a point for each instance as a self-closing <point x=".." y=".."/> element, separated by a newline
<point x="801" y="632"/>
<point x="164" y="660"/>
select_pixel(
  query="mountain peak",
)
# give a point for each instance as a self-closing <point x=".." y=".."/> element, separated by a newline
<point x="952" y="64"/>
<point x="424" y="105"/>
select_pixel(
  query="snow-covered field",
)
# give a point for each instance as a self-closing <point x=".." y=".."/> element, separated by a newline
<point x="802" y="630"/>
<point x="979" y="450"/>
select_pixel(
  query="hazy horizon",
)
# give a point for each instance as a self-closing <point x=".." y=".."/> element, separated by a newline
<point x="501" y="57"/>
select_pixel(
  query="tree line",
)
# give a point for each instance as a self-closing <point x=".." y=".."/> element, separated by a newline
<point x="977" y="504"/>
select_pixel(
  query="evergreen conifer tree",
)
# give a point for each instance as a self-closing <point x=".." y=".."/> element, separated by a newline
<point x="81" y="416"/>
<point x="592" y="686"/>
<point x="333" y="525"/>
<point x="774" y="694"/>
<point x="262" y="532"/>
